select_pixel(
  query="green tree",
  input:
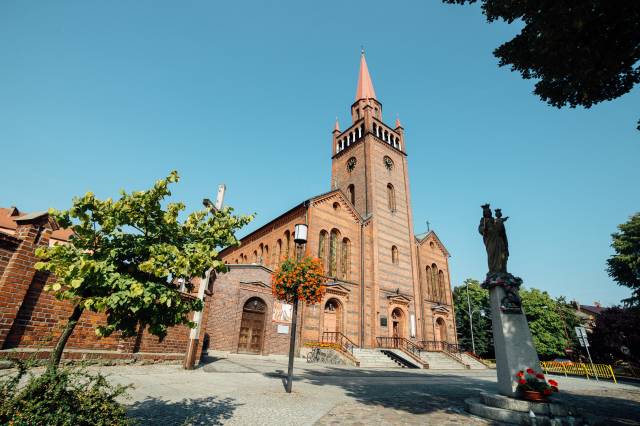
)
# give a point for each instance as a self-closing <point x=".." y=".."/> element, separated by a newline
<point x="624" y="265"/>
<point x="125" y="257"/>
<point x="581" y="52"/>
<point x="545" y="323"/>
<point x="570" y="321"/>
<point x="479" y="301"/>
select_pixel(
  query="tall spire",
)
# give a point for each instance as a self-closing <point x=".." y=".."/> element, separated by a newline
<point x="365" y="86"/>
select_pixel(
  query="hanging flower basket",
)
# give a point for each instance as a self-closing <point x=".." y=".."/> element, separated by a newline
<point x="303" y="280"/>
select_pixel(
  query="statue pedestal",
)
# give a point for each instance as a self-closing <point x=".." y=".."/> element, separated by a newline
<point x="511" y="336"/>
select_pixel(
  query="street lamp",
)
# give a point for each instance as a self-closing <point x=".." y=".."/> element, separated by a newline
<point x="300" y="238"/>
<point x="473" y="343"/>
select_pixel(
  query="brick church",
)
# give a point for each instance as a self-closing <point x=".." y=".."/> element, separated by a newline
<point x="385" y="280"/>
<point x="386" y="283"/>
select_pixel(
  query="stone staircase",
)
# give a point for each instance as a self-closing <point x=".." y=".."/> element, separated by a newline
<point x="441" y="361"/>
<point x="473" y="362"/>
<point x="373" y="358"/>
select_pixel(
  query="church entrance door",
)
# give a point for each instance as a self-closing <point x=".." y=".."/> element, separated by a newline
<point x="332" y="321"/>
<point x="441" y="330"/>
<point x="252" y="326"/>
<point x="397" y="325"/>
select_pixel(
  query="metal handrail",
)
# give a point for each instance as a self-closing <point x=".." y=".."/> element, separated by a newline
<point x="339" y="339"/>
<point x="452" y="350"/>
<point x="399" y="343"/>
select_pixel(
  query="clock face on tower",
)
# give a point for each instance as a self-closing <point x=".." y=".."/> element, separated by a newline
<point x="388" y="162"/>
<point x="351" y="164"/>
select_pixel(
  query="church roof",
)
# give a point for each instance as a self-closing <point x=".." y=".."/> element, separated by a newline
<point x="365" y="85"/>
<point x="425" y="236"/>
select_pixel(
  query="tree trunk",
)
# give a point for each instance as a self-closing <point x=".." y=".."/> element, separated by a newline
<point x="56" y="354"/>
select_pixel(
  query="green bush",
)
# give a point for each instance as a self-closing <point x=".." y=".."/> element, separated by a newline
<point x="65" y="396"/>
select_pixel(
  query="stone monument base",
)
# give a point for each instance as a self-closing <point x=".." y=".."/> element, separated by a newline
<point x="516" y="411"/>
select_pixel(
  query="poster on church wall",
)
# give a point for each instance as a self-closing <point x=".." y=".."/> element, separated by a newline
<point x="282" y="312"/>
<point x="413" y="325"/>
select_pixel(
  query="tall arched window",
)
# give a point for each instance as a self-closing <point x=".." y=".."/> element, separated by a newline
<point x="278" y="252"/>
<point x="434" y="282"/>
<point x="260" y="258"/>
<point x="345" y="260"/>
<point x="391" y="197"/>
<point x="443" y="292"/>
<point x="287" y="243"/>
<point x="351" y="193"/>
<point x="265" y="255"/>
<point x="322" y="248"/>
<point x="394" y="255"/>
<point x="427" y="282"/>
<point x="334" y="256"/>
<point x="255" y="257"/>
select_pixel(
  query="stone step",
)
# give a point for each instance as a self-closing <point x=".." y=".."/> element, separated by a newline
<point x="441" y="361"/>
<point x="474" y="363"/>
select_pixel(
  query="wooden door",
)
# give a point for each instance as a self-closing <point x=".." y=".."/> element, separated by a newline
<point x="330" y="321"/>
<point x="251" y="329"/>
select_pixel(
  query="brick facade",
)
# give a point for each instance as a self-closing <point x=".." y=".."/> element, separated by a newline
<point x="31" y="319"/>
<point x="385" y="291"/>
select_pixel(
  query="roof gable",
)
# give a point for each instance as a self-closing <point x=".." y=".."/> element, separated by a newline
<point x="432" y="236"/>
<point x="337" y="194"/>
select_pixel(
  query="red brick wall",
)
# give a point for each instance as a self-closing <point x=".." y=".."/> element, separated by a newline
<point x="32" y="319"/>
<point x="231" y="291"/>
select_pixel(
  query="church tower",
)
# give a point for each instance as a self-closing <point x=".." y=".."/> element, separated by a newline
<point x="369" y="164"/>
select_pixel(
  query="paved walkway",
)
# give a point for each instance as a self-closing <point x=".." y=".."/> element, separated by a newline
<point x="241" y="390"/>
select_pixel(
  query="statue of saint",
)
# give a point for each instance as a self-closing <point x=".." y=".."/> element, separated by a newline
<point x="494" y="236"/>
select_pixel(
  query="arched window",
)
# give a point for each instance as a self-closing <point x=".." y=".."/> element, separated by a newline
<point x="287" y="243"/>
<point x="427" y="282"/>
<point x="443" y="292"/>
<point x="334" y="256"/>
<point x="391" y="197"/>
<point x="265" y="255"/>
<point x="434" y="282"/>
<point x="351" y="193"/>
<point x="322" y="247"/>
<point x="278" y="252"/>
<point x="394" y="255"/>
<point x="345" y="260"/>
<point x="260" y="259"/>
<point x="255" y="257"/>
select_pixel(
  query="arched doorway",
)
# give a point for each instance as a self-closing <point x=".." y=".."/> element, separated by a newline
<point x="332" y="321"/>
<point x="252" y="326"/>
<point x="441" y="330"/>
<point x="397" y="323"/>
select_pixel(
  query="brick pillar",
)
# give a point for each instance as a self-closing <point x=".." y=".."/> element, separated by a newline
<point x="18" y="274"/>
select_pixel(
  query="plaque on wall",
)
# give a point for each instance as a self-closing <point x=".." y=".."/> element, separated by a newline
<point x="383" y="321"/>
<point x="283" y="329"/>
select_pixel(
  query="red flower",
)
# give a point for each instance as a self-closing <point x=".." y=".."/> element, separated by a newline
<point x="540" y="376"/>
<point x="520" y="374"/>
<point x="522" y="381"/>
<point x="530" y="371"/>
<point x="553" y="383"/>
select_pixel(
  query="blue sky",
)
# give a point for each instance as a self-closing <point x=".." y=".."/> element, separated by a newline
<point x="107" y="95"/>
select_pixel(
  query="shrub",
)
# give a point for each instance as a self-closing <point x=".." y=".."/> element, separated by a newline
<point x="66" y="396"/>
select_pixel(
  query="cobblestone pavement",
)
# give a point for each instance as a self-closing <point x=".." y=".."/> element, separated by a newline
<point x="241" y="390"/>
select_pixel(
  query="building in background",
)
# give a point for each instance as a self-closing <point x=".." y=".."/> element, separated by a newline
<point x="384" y="280"/>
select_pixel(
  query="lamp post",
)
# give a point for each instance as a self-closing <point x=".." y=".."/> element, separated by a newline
<point x="300" y="238"/>
<point x="473" y="343"/>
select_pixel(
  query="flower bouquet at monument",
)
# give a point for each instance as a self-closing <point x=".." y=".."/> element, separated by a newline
<point x="533" y="386"/>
